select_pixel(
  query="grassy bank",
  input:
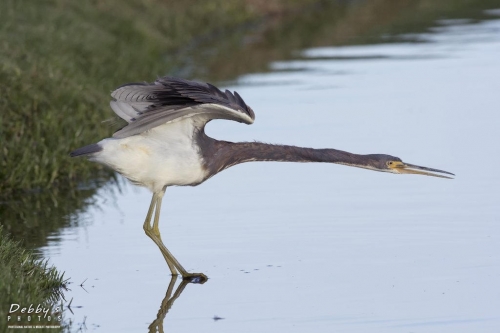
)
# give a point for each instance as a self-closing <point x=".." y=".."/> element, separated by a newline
<point x="24" y="280"/>
<point x="59" y="60"/>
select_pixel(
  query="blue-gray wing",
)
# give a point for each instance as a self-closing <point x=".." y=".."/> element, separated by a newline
<point x="145" y="106"/>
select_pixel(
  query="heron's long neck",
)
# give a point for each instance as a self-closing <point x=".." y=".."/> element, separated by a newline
<point x="219" y="155"/>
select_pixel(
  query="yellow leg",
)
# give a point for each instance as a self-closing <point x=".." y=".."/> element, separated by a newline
<point x="151" y="234"/>
<point x="154" y="233"/>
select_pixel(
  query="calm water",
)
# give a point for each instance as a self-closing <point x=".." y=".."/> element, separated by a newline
<point x="319" y="247"/>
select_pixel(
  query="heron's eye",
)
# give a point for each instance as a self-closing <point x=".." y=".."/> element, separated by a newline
<point x="390" y="163"/>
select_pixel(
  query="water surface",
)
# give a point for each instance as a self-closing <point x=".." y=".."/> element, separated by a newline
<point x="321" y="247"/>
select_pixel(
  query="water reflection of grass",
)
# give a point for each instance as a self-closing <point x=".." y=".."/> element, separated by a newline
<point x="334" y="23"/>
<point x="32" y="217"/>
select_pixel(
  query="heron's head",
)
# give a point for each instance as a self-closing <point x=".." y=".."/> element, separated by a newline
<point x="388" y="163"/>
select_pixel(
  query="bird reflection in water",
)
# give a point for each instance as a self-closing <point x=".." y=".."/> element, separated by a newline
<point x="166" y="304"/>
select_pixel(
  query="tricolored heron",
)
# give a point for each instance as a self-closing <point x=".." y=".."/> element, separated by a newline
<point x="164" y="144"/>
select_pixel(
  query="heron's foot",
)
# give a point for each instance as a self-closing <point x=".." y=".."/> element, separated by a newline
<point x="198" y="278"/>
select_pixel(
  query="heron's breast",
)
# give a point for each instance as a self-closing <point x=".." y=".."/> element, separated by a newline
<point x="153" y="163"/>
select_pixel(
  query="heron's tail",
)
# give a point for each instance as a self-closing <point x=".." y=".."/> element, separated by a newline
<point x="87" y="150"/>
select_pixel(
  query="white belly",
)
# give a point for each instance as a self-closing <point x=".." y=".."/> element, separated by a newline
<point x="162" y="156"/>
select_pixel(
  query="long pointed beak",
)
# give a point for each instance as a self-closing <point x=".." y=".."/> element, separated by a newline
<point x="420" y="170"/>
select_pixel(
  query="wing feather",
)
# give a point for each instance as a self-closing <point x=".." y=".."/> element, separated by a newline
<point x="145" y="106"/>
<point x="124" y="110"/>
